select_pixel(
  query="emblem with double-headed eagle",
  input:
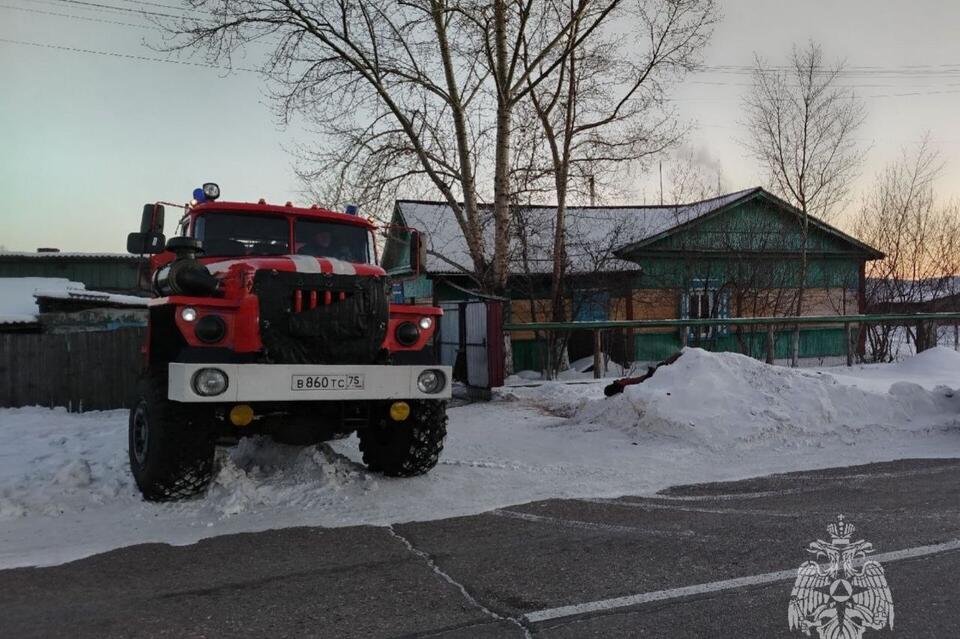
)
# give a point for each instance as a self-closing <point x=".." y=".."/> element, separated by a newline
<point x="844" y="597"/>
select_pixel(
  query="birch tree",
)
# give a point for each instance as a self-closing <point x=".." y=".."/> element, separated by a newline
<point x="801" y="125"/>
<point x="603" y="109"/>
<point x="416" y="90"/>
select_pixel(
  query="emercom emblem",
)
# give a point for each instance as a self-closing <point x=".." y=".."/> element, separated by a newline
<point x="844" y="597"/>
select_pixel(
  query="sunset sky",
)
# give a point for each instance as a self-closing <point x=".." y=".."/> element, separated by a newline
<point x="87" y="138"/>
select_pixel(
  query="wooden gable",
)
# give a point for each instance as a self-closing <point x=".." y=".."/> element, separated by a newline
<point x="757" y="223"/>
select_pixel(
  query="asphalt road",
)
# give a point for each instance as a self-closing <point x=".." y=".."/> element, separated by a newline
<point x="629" y="567"/>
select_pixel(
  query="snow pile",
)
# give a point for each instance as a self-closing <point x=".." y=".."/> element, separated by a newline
<point x="76" y="462"/>
<point x="259" y="472"/>
<point x="937" y="366"/>
<point x="728" y="399"/>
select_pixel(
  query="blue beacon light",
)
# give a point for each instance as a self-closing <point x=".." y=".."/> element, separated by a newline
<point x="199" y="195"/>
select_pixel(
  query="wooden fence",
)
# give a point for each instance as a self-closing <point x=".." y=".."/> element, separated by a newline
<point x="79" y="371"/>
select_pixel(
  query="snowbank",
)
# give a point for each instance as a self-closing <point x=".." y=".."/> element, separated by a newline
<point x="66" y="491"/>
<point x="728" y="399"/>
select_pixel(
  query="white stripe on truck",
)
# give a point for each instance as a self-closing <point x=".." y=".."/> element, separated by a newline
<point x="305" y="263"/>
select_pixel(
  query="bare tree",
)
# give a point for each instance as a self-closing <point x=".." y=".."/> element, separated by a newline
<point x="404" y="90"/>
<point x="920" y="238"/>
<point x="603" y="108"/>
<point x="801" y="125"/>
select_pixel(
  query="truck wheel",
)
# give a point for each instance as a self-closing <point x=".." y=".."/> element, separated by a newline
<point x="407" y="448"/>
<point x="171" y="454"/>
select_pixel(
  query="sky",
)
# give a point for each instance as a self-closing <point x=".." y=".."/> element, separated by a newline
<point x="86" y="139"/>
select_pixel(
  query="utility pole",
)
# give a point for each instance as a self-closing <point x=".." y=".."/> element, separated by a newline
<point x="661" y="182"/>
<point x="593" y="193"/>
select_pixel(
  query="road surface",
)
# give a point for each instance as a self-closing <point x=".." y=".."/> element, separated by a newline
<point x="713" y="560"/>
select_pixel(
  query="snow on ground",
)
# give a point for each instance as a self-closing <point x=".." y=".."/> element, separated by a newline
<point x="66" y="492"/>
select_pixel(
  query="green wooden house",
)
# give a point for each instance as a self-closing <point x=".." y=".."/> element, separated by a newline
<point x="735" y="255"/>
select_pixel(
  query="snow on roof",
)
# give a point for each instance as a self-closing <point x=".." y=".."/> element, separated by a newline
<point x="17" y="303"/>
<point x="18" y="296"/>
<point x="593" y="232"/>
<point x="81" y="294"/>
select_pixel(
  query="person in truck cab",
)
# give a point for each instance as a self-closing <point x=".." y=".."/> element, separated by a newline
<point x="321" y="243"/>
<point x="318" y="244"/>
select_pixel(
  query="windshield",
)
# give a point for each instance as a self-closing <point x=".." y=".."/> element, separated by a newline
<point x="239" y="234"/>
<point x="329" y="239"/>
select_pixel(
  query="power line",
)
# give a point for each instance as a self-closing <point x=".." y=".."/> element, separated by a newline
<point x="76" y="17"/>
<point x="111" y="7"/>
<point x="129" y="56"/>
<point x="164" y="6"/>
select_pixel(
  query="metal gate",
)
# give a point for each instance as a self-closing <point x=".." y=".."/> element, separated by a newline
<point x="476" y="345"/>
<point x="450" y="337"/>
<point x="471" y="341"/>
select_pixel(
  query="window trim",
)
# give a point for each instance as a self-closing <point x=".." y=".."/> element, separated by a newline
<point x="719" y="308"/>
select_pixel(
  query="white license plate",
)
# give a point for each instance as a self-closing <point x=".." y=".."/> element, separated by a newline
<point x="326" y="382"/>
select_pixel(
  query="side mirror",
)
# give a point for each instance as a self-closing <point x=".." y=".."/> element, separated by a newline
<point x="418" y="251"/>
<point x="145" y="243"/>
<point x="151" y="221"/>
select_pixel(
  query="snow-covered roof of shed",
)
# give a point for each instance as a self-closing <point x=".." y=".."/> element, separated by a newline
<point x="593" y="232"/>
<point x="17" y="303"/>
<point x="83" y="295"/>
<point x="18" y="297"/>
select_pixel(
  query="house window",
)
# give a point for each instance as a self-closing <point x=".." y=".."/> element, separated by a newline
<point x="590" y="305"/>
<point x="704" y="299"/>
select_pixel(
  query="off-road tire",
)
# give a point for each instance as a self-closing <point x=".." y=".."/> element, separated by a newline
<point x="176" y="461"/>
<point x="407" y="448"/>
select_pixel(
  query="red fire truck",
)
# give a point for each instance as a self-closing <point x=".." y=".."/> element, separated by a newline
<point x="278" y="320"/>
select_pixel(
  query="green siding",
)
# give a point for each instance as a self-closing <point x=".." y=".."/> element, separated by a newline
<point x="757" y="225"/>
<point x="753" y="273"/>
<point x="527" y="355"/>
<point x="654" y="347"/>
<point x="756" y="242"/>
<point x="95" y="274"/>
<point x="818" y="342"/>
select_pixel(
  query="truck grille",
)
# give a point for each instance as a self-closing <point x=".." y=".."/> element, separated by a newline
<point x="321" y="318"/>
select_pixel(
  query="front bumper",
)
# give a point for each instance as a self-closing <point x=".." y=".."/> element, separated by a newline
<point x="276" y="382"/>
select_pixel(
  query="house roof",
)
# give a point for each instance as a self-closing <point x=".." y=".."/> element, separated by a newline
<point x="740" y="197"/>
<point x="52" y="256"/>
<point x="594" y="233"/>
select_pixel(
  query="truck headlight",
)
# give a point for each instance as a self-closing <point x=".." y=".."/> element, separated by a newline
<point x="188" y="313"/>
<point x="407" y="333"/>
<point x="209" y="382"/>
<point x="430" y="381"/>
<point x="425" y="323"/>
<point x="210" y="329"/>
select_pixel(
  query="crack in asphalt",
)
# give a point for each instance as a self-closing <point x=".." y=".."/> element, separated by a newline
<point x="590" y="525"/>
<point x="440" y="572"/>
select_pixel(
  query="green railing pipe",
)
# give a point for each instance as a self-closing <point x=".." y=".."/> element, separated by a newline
<point x="899" y="318"/>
